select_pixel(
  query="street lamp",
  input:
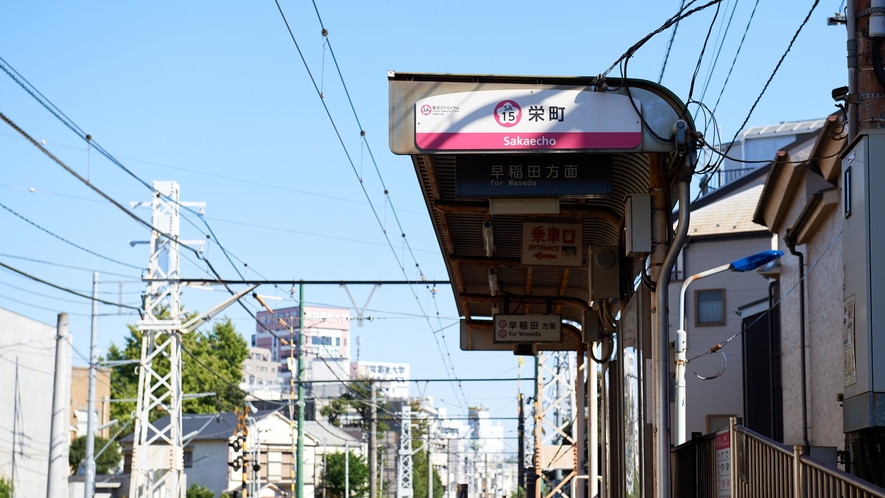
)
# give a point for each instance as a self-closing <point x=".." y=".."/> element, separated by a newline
<point x="741" y="265"/>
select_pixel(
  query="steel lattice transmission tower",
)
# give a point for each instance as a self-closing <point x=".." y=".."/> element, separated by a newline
<point x="556" y="424"/>
<point x="404" y="455"/>
<point x="157" y="453"/>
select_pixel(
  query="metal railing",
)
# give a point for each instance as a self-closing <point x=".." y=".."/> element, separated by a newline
<point x="693" y="468"/>
<point x="720" y="178"/>
<point x="759" y="468"/>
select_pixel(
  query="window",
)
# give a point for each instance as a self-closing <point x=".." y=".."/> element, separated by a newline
<point x="710" y="307"/>
<point x="188" y="459"/>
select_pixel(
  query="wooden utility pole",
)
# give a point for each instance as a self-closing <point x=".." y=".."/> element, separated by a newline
<point x="866" y="37"/>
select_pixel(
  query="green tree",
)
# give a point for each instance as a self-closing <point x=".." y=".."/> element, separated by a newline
<point x="197" y="491"/>
<point x="419" y="459"/>
<point x="419" y="477"/>
<point x="517" y="493"/>
<point x="221" y="350"/>
<point x="5" y="487"/>
<point x="358" y="477"/>
<point x="104" y="464"/>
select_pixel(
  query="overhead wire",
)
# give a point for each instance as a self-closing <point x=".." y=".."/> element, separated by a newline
<point x="670" y="44"/>
<point x="718" y="164"/>
<point x="721" y="43"/>
<point x="701" y="55"/>
<point x="54" y="110"/>
<point x="66" y="241"/>
<point x="669" y="22"/>
<point x="61" y="265"/>
<point x="65" y="289"/>
<point x="350" y="160"/>
<point x="737" y="53"/>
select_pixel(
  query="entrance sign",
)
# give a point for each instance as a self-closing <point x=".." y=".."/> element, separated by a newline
<point x="524" y="119"/>
<point x="528" y="328"/>
<point x="509" y="175"/>
<point x="723" y="463"/>
<point x="552" y="244"/>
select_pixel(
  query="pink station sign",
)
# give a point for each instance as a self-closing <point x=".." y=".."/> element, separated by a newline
<point x="501" y="120"/>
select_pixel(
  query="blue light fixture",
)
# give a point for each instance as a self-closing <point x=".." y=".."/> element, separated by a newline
<point x="755" y="261"/>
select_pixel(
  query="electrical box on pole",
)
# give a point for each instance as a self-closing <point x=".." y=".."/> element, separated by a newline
<point x="863" y="233"/>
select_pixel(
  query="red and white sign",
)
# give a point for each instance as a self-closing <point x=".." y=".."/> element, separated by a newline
<point x="572" y="119"/>
<point x="552" y="244"/>
<point x="723" y="463"/>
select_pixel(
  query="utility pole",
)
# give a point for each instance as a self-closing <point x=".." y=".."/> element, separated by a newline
<point x="292" y="367"/>
<point x="90" y="403"/>
<point x="429" y="467"/>
<point x="57" y="475"/>
<point x="535" y="485"/>
<point x="300" y="460"/>
<point x="346" y="469"/>
<point x="373" y="440"/>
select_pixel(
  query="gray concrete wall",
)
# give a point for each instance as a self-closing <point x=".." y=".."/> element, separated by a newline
<point x="25" y="417"/>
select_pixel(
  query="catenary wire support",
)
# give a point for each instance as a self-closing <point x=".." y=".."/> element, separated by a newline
<point x="158" y="453"/>
<point x="556" y="417"/>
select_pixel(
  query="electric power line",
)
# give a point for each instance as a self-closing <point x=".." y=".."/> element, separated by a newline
<point x="65" y="289"/>
<point x="719" y="163"/>
<point x="66" y="241"/>
<point x="670" y="43"/>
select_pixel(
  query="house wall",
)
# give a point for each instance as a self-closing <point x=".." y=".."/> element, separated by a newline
<point x="210" y="467"/>
<point x="80" y="399"/>
<point x="26" y="401"/>
<point x="723" y="395"/>
<point x="823" y="322"/>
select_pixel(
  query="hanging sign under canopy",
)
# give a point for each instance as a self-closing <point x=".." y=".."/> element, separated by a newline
<point x="527" y="119"/>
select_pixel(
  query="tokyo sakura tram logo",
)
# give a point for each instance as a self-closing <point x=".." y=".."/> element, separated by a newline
<point x="426" y="109"/>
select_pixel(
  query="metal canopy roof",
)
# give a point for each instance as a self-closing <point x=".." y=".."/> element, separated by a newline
<point x="458" y="222"/>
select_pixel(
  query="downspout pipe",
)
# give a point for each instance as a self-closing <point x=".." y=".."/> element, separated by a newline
<point x="662" y="346"/>
<point x="791" y="244"/>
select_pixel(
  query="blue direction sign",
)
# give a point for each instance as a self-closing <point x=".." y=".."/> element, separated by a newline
<point x="533" y="175"/>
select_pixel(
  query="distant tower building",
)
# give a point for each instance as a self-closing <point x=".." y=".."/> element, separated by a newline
<point x="393" y="378"/>
<point x="326" y="334"/>
<point x="261" y="376"/>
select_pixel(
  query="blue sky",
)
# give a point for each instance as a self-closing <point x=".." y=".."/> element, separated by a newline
<point x="214" y="95"/>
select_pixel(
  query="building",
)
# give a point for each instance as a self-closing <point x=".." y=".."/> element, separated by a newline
<point x="27" y="369"/>
<point x="207" y="454"/>
<point x="80" y="400"/>
<point x="326" y="333"/>
<point x="393" y="378"/>
<point x="721" y="230"/>
<point x="801" y="206"/>
<point x="261" y="376"/>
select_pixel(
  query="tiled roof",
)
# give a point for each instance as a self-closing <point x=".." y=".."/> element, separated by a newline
<point x="731" y="215"/>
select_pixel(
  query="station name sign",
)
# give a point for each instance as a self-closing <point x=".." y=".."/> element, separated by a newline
<point x="526" y="175"/>
<point x="527" y="119"/>
<point x="528" y="328"/>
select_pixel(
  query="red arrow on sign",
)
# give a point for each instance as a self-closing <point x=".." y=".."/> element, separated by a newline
<point x="540" y="255"/>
